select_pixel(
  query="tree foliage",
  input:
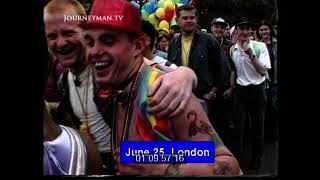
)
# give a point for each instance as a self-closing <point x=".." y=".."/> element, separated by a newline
<point x="231" y="10"/>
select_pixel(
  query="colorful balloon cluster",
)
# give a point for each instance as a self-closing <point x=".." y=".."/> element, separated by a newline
<point x="161" y="14"/>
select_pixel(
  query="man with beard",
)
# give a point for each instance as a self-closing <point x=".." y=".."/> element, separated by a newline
<point x="114" y="49"/>
<point x="77" y="108"/>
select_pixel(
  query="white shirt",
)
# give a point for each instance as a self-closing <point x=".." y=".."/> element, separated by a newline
<point x="247" y="74"/>
<point x="162" y="62"/>
<point x="98" y="127"/>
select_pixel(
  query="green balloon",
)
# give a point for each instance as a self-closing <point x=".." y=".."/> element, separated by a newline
<point x="173" y="21"/>
<point x="153" y="19"/>
<point x="161" y="4"/>
<point x="145" y="15"/>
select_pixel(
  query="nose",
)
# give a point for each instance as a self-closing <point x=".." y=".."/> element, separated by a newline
<point x="95" y="52"/>
<point x="61" y="42"/>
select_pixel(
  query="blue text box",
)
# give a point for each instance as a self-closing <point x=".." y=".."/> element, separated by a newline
<point x="167" y="152"/>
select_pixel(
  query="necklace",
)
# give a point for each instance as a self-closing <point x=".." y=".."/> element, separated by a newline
<point x="84" y="127"/>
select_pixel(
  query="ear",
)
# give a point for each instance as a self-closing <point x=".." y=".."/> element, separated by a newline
<point x="211" y="28"/>
<point x="139" y="45"/>
<point x="148" y="40"/>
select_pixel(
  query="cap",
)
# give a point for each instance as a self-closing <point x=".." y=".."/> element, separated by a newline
<point x="219" y="21"/>
<point x="116" y="14"/>
<point x="243" y="20"/>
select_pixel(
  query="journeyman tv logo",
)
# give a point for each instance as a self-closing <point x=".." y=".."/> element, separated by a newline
<point x="92" y="18"/>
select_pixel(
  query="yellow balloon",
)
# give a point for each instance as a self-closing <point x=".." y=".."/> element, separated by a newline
<point x="156" y="26"/>
<point x="153" y="19"/>
<point x="160" y="12"/>
<point x="163" y="24"/>
<point x="168" y="4"/>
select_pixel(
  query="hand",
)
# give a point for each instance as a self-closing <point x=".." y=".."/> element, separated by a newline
<point x="228" y="92"/>
<point x="247" y="49"/>
<point x="171" y="92"/>
<point x="210" y="96"/>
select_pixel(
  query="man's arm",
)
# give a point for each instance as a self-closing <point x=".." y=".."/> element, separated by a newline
<point x="94" y="162"/>
<point x="172" y="91"/>
<point x="219" y="66"/>
<point x="193" y="125"/>
<point x="259" y="67"/>
<point x="261" y="63"/>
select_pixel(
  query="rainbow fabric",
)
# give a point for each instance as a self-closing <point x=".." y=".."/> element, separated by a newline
<point x="149" y="126"/>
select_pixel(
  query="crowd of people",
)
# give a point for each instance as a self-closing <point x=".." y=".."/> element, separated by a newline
<point x="112" y="81"/>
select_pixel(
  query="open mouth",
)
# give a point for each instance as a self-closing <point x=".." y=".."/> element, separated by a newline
<point x="102" y="65"/>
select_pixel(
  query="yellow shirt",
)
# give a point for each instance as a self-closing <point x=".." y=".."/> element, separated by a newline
<point x="186" y="46"/>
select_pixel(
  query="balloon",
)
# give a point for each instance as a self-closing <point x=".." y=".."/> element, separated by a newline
<point x="185" y="2"/>
<point x="147" y="7"/>
<point x="176" y="1"/>
<point x="179" y="4"/>
<point x="153" y="19"/>
<point x="168" y="4"/>
<point x="160" y="13"/>
<point x="144" y="14"/>
<point x="173" y="21"/>
<point x="169" y="13"/>
<point x="156" y="26"/>
<point x="136" y="5"/>
<point x="161" y="3"/>
<point x="155" y="7"/>
<point x="163" y="25"/>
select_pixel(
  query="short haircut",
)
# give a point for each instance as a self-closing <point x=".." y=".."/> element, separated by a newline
<point x="55" y="7"/>
<point x="186" y="8"/>
<point x="150" y="31"/>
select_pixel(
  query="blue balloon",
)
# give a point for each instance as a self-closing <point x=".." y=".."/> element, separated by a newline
<point x="136" y="5"/>
<point x="148" y="7"/>
<point x="155" y="7"/>
<point x="185" y="2"/>
<point x="153" y="1"/>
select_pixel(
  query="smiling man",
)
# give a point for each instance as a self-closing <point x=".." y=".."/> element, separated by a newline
<point x="201" y="52"/>
<point x="251" y="59"/>
<point x="114" y="49"/>
<point x="77" y="108"/>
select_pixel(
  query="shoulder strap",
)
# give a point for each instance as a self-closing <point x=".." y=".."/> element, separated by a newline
<point x="256" y="48"/>
<point x="63" y="80"/>
<point x="232" y="50"/>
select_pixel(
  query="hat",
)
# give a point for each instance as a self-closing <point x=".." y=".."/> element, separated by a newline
<point x="219" y="21"/>
<point x="116" y="14"/>
<point x="243" y="20"/>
